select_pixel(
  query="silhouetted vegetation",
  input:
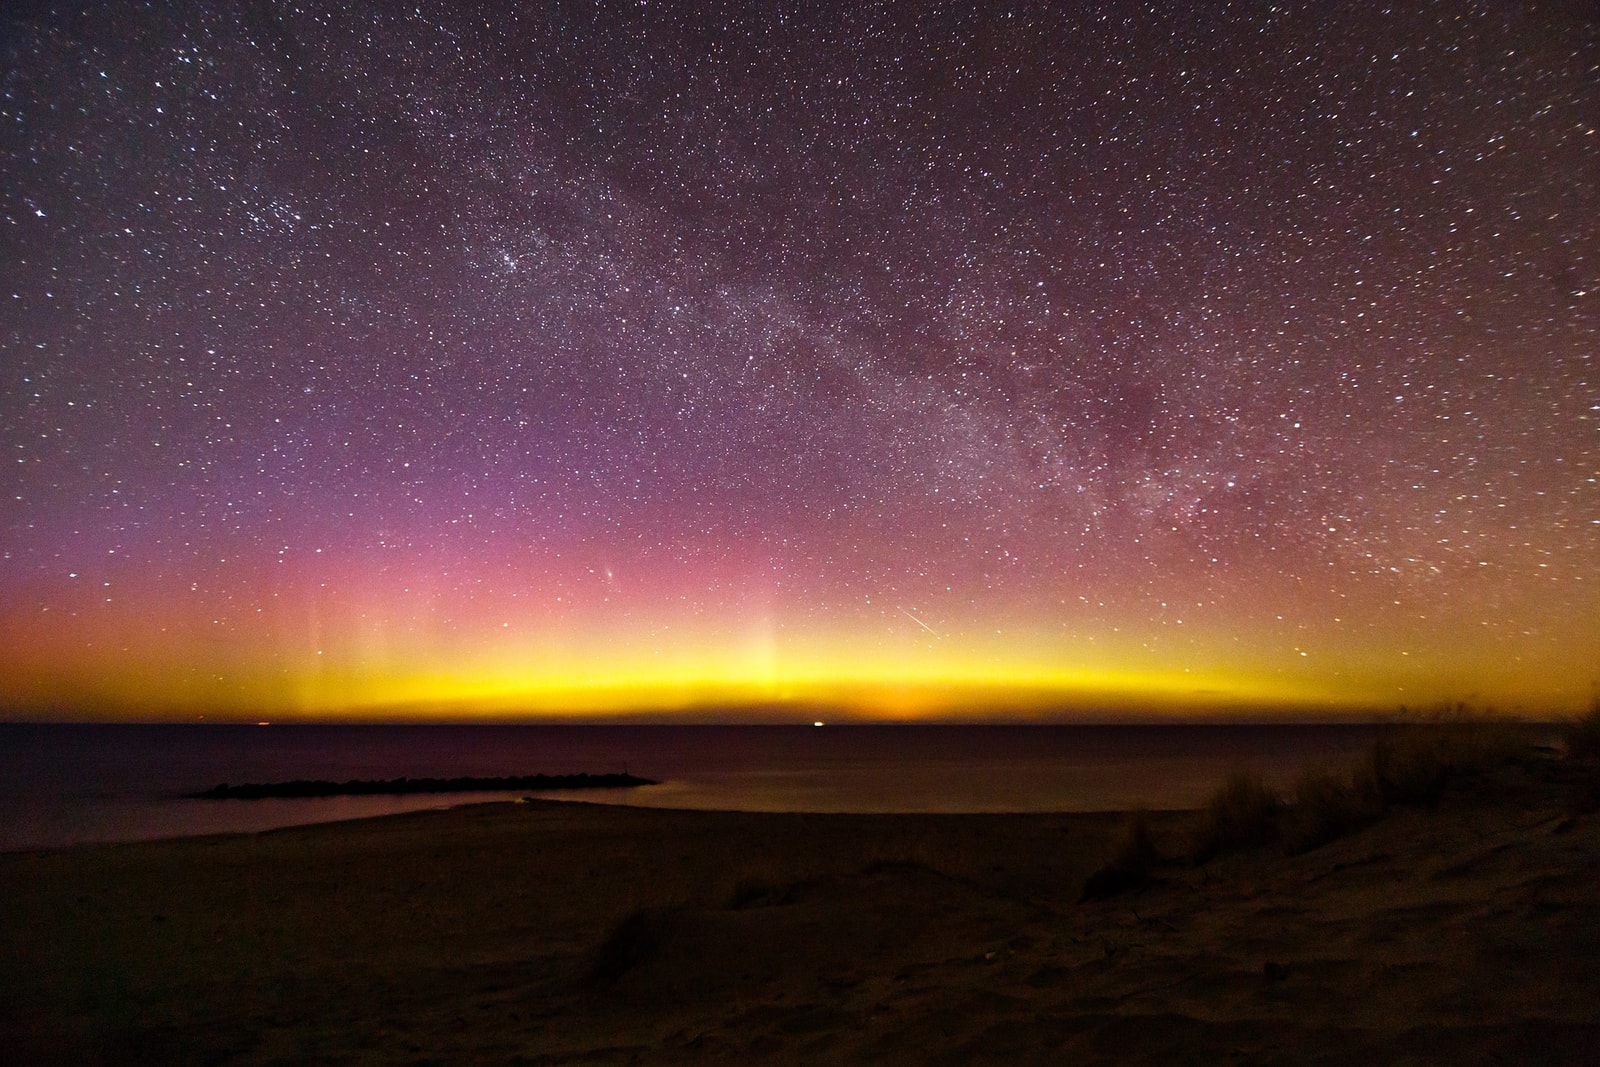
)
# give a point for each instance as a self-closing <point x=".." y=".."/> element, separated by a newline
<point x="1242" y="813"/>
<point x="631" y="942"/>
<point x="1409" y="769"/>
<point x="1583" y="734"/>
<point x="1132" y="857"/>
<point x="1411" y="764"/>
<point x="1327" y="806"/>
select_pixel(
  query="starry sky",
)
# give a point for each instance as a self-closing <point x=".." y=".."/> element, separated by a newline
<point x="390" y="359"/>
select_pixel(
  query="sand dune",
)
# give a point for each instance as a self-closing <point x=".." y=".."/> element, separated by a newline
<point x="569" y="933"/>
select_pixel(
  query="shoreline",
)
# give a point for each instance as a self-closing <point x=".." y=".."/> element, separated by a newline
<point x="111" y="787"/>
<point x="568" y="931"/>
<point x="446" y="803"/>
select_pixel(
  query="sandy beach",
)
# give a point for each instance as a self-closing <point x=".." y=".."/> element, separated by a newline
<point x="547" y="932"/>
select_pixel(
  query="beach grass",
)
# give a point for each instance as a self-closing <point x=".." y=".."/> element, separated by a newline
<point x="1325" y="806"/>
<point x="1353" y="931"/>
<point x="1132" y="857"/>
<point x="1242" y="813"/>
<point x="1411" y="764"/>
<point x="634" y="939"/>
<point x="1582" y="735"/>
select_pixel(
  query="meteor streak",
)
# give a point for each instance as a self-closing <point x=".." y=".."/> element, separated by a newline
<point x="919" y="622"/>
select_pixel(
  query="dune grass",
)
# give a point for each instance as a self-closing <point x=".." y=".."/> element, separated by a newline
<point x="1409" y="765"/>
<point x="1242" y="813"/>
<point x="632" y="941"/>
<point x="1582" y="735"/>
<point x="1132" y="856"/>
<point x="1325" y="806"/>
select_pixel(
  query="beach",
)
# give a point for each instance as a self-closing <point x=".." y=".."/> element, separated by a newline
<point x="557" y="932"/>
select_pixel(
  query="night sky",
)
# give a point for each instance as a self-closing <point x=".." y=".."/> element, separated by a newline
<point x="387" y="359"/>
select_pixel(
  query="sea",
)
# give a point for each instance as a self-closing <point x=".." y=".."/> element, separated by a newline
<point x="71" y="784"/>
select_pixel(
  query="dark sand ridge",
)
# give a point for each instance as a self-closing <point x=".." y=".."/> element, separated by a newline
<point x="563" y="933"/>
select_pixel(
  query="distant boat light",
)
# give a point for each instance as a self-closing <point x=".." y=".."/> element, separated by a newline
<point x="819" y="722"/>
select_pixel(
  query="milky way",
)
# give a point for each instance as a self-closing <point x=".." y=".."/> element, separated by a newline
<point x="397" y="359"/>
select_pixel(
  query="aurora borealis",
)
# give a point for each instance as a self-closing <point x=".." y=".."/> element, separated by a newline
<point x="498" y="359"/>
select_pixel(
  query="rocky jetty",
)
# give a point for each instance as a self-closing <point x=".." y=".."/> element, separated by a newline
<point x="399" y="786"/>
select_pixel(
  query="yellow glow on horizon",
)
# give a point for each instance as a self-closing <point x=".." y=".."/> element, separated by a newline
<point x="875" y="678"/>
<point x="754" y="674"/>
<point x="369" y="659"/>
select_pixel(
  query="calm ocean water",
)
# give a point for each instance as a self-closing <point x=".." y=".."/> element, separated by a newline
<point x="66" y="784"/>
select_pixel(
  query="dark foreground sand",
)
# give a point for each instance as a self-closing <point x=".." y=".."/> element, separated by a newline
<point x="569" y="933"/>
